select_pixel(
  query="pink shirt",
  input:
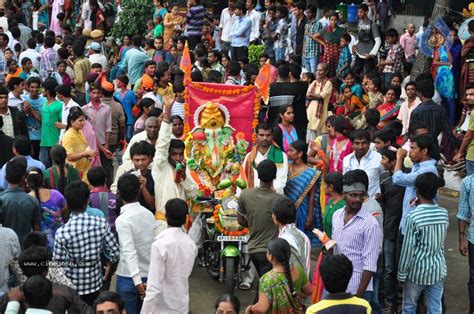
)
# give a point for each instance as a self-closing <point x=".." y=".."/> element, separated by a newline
<point x="408" y="42"/>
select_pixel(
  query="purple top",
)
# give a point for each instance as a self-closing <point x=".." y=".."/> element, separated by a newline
<point x="51" y="218"/>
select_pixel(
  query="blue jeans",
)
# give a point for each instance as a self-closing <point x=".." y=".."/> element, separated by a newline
<point x="128" y="132"/>
<point x="129" y="294"/>
<point x="310" y="64"/>
<point x="44" y="156"/>
<point x="373" y="299"/>
<point x="279" y="53"/>
<point x="433" y="294"/>
<point x="470" y="167"/>
<point x="390" y="271"/>
<point x="387" y="80"/>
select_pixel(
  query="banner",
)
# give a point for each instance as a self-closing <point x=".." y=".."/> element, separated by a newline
<point x="242" y="103"/>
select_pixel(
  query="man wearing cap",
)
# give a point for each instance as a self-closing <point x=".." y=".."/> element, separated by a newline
<point x="357" y="234"/>
<point x="97" y="36"/>
<point x="118" y="123"/>
<point x="96" y="56"/>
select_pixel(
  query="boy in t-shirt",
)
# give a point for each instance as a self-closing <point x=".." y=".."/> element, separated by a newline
<point x="101" y="197"/>
<point x="159" y="29"/>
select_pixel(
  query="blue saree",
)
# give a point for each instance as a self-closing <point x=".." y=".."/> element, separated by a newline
<point x="297" y="189"/>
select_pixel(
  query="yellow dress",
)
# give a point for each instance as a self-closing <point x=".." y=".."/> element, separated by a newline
<point x="75" y="142"/>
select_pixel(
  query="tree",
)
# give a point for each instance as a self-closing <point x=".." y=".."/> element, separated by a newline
<point x="133" y="18"/>
<point x="423" y="63"/>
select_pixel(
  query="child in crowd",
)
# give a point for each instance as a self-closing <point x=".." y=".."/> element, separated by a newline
<point x="178" y="106"/>
<point x="389" y="109"/>
<point x="345" y="58"/>
<point x="393" y="62"/>
<point x="150" y="27"/>
<point x="375" y="97"/>
<point x="159" y="28"/>
<point x="101" y="197"/>
<point x="351" y="104"/>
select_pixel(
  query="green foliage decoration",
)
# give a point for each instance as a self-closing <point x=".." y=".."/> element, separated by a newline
<point x="133" y="18"/>
<point x="255" y="52"/>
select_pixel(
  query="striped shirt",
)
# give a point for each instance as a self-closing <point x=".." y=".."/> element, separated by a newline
<point x="465" y="210"/>
<point x="422" y="257"/>
<point x="359" y="240"/>
<point x="195" y="20"/>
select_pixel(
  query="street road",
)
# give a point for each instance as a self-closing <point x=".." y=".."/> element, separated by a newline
<point x="204" y="291"/>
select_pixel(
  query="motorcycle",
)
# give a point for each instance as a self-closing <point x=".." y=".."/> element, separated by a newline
<point x="223" y="247"/>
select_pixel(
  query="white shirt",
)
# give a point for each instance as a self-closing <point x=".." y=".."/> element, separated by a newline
<point x="135" y="139"/>
<point x="100" y="59"/>
<point x="254" y="16"/>
<point x="8" y="128"/>
<point x="65" y="113"/>
<point x="405" y="113"/>
<point x="164" y="174"/>
<point x="370" y="163"/>
<point x="155" y="98"/>
<point x="4" y="23"/>
<point x="32" y="54"/>
<point x="282" y="172"/>
<point x="14" y="102"/>
<point x="226" y="25"/>
<point x="136" y="231"/>
<point x="171" y="263"/>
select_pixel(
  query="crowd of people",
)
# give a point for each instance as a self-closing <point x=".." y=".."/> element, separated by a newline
<point x="94" y="175"/>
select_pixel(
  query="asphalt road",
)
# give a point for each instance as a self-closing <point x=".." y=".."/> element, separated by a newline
<point x="204" y="291"/>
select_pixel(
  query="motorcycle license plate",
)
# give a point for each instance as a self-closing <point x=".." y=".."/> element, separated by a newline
<point x="233" y="238"/>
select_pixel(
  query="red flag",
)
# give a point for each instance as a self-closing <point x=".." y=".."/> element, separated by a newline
<point x="263" y="82"/>
<point x="185" y="64"/>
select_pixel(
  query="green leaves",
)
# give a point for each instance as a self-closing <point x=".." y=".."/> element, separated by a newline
<point x="133" y="18"/>
<point x="255" y="52"/>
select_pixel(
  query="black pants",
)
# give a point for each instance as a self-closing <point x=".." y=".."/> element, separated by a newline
<point x="364" y="65"/>
<point x="108" y="166"/>
<point x="237" y="52"/>
<point x="193" y="41"/>
<point x="35" y="145"/>
<point x="262" y="265"/>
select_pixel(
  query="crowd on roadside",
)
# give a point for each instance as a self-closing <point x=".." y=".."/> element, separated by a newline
<point x="350" y="143"/>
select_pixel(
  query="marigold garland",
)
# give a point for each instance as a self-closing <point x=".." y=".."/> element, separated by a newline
<point x="223" y="230"/>
<point x="225" y="92"/>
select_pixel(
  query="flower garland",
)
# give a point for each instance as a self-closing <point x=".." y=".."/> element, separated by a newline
<point x="223" y="230"/>
<point x="224" y="92"/>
